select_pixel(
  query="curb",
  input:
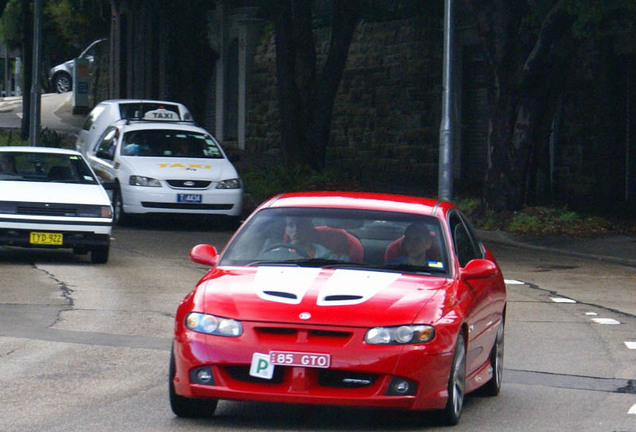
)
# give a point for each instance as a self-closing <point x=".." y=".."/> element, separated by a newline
<point x="504" y="238"/>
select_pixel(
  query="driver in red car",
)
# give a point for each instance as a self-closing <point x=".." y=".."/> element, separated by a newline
<point x="301" y="233"/>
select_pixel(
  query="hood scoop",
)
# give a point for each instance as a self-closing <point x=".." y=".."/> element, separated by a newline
<point x="284" y="284"/>
<point x="351" y="287"/>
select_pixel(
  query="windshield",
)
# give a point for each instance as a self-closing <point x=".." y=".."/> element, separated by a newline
<point x="44" y="167"/>
<point x="168" y="142"/>
<point x="340" y="238"/>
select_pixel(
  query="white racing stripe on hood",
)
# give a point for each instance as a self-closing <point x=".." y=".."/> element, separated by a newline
<point x="350" y="287"/>
<point x="284" y="284"/>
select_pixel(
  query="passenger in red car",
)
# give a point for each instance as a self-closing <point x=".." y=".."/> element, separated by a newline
<point x="417" y="242"/>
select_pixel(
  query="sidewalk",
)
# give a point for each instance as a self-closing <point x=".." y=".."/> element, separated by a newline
<point x="615" y="248"/>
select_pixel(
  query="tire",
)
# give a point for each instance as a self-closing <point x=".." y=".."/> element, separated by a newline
<point x="99" y="254"/>
<point x="493" y="386"/>
<point x="456" y="384"/>
<point x="119" y="215"/>
<point x="63" y="82"/>
<point x="188" y="407"/>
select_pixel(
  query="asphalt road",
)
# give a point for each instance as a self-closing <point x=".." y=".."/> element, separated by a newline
<point x="56" y="113"/>
<point x="85" y="347"/>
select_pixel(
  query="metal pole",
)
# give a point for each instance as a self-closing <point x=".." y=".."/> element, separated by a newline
<point x="34" y="123"/>
<point x="445" y="184"/>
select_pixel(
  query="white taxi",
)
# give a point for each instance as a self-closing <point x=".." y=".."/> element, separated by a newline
<point x="163" y="166"/>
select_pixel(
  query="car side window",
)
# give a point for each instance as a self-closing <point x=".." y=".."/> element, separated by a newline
<point x="466" y="245"/>
<point x="105" y="148"/>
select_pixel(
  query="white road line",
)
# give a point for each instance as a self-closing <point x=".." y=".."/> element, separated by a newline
<point x="630" y="345"/>
<point x="607" y="321"/>
<point x="591" y="313"/>
<point x="632" y="410"/>
<point x="562" y="300"/>
<point x="513" y="282"/>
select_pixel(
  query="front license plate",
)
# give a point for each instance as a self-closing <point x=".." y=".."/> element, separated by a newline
<point x="286" y="358"/>
<point x="46" y="238"/>
<point x="189" y="198"/>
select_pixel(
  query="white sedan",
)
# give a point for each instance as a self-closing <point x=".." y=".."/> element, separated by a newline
<point x="51" y="198"/>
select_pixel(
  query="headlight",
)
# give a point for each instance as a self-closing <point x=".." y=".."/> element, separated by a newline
<point x="143" y="181"/>
<point x="229" y="184"/>
<point x="400" y="335"/>
<point x="210" y="324"/>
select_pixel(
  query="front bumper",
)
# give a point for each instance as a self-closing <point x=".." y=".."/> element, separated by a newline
<point x="142" y="200"/>
<point x="76" y="233"/>
<point x="359" y="374"/>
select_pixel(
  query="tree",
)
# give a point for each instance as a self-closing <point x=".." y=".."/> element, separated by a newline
<point x="306" y="94"/>
<point x="531" y="50"/>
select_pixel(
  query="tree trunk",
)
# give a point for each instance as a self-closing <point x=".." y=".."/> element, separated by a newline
<point x="305" y="102"/>
<point x="520" y="94"/>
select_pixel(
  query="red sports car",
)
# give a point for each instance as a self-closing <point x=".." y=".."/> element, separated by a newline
<point x="353" y="299"/>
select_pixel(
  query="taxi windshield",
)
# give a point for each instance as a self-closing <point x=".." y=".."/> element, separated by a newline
<point x="168" y="142"/>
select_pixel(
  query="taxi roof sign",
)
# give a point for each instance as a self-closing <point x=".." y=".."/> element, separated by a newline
<point x="161" y="114"/>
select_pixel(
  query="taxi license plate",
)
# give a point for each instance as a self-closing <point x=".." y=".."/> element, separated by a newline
<point x="286" y="358"/>
<point x="189" y="198"/>
<point x="46" y="238"/>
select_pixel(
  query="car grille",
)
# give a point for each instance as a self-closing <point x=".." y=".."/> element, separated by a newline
<point x="325" y="377"/>
<point x="189" y="184"/>
<point x="46" y="210"/>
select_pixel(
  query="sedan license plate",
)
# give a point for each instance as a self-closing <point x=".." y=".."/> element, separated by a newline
<point x="189" y="198"/>
<point x="46" y="238"/>
<point x="286" y="358"/>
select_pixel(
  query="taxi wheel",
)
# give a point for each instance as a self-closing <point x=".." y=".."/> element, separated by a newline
<point x="188" y="407"/>
<point x="456" y="384"/>
<point x="119" y="215"/>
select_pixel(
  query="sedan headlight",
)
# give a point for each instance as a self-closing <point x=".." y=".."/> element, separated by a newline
<point x="234" y="183"/>
<point x="210" y="324"/>
<point x="406" y="334"/>
<point x="143" y="181"/>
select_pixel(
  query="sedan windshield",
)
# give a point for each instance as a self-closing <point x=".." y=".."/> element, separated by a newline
<point x="340" y="238"/>
<point x="44" y="167"/>
<point x="167" y="142"/>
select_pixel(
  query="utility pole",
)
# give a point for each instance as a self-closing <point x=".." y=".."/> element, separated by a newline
<point x="34" y="121"/>
<point x="445" y="183"/>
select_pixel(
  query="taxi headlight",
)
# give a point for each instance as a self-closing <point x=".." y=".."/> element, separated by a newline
<point x="234" y="183"/>
<point x="210" y="324"/>
<point x="400" y="335"/>
<point x="135" y="180"/>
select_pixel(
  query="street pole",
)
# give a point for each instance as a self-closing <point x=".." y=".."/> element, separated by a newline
<point x="445" y="183"/>
<point x="34" y="122"/>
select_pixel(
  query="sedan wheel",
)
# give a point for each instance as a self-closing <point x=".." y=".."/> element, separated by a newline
<point x="456" y="384"/>
<point x="493" y="386"/>
<point x="188" y="407"/>
<point x="63" y="83"/>
<point x="99" y="254"/>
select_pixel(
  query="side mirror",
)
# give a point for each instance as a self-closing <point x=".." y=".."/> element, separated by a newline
<point x="479" y="269"/>
<point x="204" y="254"/>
